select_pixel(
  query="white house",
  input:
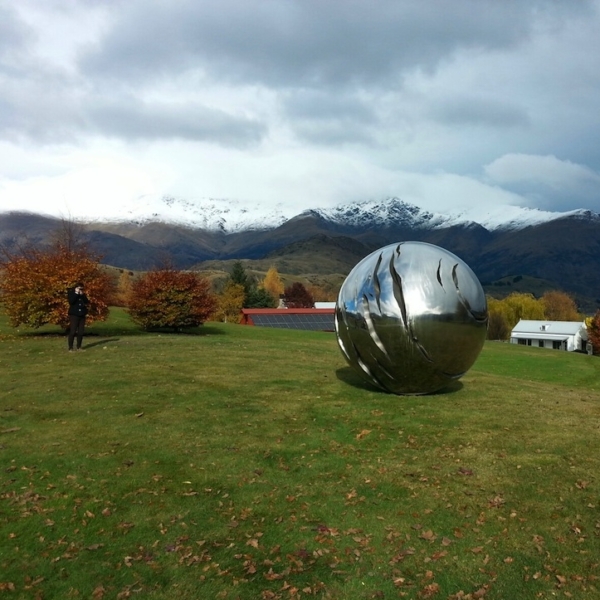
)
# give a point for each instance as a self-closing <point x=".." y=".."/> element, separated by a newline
<point x="560" y="335"/>
<point x="324" y="304"/>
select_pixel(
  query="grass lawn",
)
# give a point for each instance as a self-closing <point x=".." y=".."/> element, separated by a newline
<point x="244" y="462"/>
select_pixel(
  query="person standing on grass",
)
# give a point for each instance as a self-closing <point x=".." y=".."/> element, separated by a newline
<point x="78" y="308"/>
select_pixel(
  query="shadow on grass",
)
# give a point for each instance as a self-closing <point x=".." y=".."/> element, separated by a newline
<point x="101" y="330"/>
<point x="199" y="331"/>
<point x="351" y="377"/>
<point x="102" y="342"/>
<point x="64" y="334"/>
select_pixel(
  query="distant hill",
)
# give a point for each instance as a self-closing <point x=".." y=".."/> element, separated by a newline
<point x="563" y="252"/>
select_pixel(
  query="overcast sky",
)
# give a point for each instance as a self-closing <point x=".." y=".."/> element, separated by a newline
<point x="303" y="102"/>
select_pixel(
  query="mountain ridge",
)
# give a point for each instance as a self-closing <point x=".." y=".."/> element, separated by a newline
<point x="563" y="250"/>
<point x="229" y="216"/>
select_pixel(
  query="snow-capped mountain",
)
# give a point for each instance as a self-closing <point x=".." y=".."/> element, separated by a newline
<point x="562" y="249"/>
<point x="395" y="211"/>
<point x="211" y="214"/>
<point x="232" y="216"/>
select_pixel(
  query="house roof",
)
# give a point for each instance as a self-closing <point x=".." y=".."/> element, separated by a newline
<point x="548" y="329"/>
<point x="325" y="304"/>
<point x="539" y="336"/>
<point x="316" y="319"/>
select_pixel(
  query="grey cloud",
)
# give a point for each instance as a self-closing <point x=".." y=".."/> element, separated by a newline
<point x="304" y="43"/>
<point x="558" y="200"/>
<point x="39" y="106"/>
<point x="546" y="181"/>
<point x="55" y="109"/>
<point x="132" y="119"/>
<point x="13" y="36"/>
<point x="478" y="111"/>
<point x="319" y="105"/>
<point x="329" y="118"/>
<point x="333" y="133"/>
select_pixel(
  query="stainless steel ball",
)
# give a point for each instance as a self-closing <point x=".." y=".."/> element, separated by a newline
<point x="411" y="318"/>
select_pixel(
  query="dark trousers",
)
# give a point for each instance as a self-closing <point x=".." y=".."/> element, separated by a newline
<point x="77" y="325"/>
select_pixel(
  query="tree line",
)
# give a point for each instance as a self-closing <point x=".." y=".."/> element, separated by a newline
<point x="33" y="285"/>
<point x="505" y="314"/>
<point x="34" y="282"/>
<point x="552" y="306"/>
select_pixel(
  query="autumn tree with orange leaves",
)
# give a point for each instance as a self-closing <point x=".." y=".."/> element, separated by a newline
<point x="230" y="303"/>
<point x="560" y="306"/>
<point x="297" y="296"/>
<point x="593" y="331"/>
<point x="34" y="283"/>
<point x="273" y="283"/>
<point x="170" y="298"/>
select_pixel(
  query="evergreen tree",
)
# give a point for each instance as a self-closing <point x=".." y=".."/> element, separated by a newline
<point x="238" y="275"/>
<point x="254" y="297"/>
<point x="260" y="298"/>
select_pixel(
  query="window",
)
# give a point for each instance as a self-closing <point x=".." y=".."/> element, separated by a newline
<point x="556" y="345"/>
<point x="522" y="342"/>
<point x="541" y="343"/>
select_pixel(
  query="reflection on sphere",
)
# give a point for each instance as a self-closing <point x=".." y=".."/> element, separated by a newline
<point x="411" y="318"/>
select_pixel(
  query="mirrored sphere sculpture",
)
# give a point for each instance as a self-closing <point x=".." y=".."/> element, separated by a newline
<point x="411" y="318"/>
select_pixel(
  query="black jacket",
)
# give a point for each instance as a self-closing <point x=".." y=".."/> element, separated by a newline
<point x="78" y="304"/>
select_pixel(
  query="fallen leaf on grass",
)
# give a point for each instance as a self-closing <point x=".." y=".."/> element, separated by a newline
<point x="364" y="433"/>
<point x="429" y="590"/>
<point x="271" y="575"/>
<point x="463" y="471"/>
<point x="428" y="535"/>
<point x="32" y="582"/>
<point x="95" y="547"/>
<point x="496" y="502"/>
<point x="402" y="555"/>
